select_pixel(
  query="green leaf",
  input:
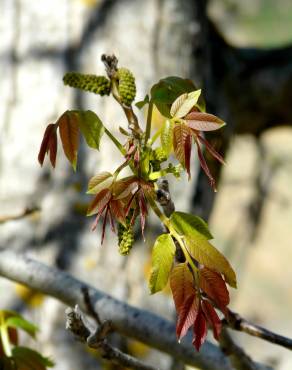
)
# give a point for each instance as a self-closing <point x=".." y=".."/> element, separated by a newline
<point x="206" y="254"/>
<point x="184" y="103"/>
<point x="166" y="136"/>
<point x="162" y="259"/>
<point x="91" y="127"/>
<point x="97" y="182"/>
<point x="20" y="323"/>
<point x="190" y="225"/>
<point x="164" y="93"/>
<point x="26" y="358"/>
<point x="140" y="104"/>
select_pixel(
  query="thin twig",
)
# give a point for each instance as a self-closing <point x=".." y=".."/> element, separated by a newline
<point x="236" y="322"/>
<point x="111" y="66"/>
<point x="26" y="212"/>
<point x="239" y="359"/>
<point x="96" y="339"/>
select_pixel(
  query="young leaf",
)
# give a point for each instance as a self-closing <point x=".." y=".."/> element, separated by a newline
<point x="181" y="284"/>
<point x="98" y="203"/>
<point x="203" y="121"/>
<point x="91" y="127"/>
<point x="94" y="185"/>
<point x="164" y="93"/>
<point x="162" y="259"/>
<point x="200" y="330"/>
<point x="184" y="103"/>
<point x="187" y="315"/>
<point x="214" y="286"/>
<point x="49" y="145"/>
<point x="193" y="226"/>
<point x="69" y="133"/>
<point x="182" y="144"/>
<point x="212" y="318"/>
<point x="206" y="254"/>
<point x="20" y="323"/>
<point x="140" y="104"/>
<point x="166" y="136"/>
<point x="26" y="358"/>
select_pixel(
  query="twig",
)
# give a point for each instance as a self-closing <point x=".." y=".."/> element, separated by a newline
<point x="236" y="322"/>
<point x="111" y="66"/>
<point x="239" y="359"/>
<point x="96" y="339"/>
<point x="24" y="213"/>
<point x="164" y="197"/>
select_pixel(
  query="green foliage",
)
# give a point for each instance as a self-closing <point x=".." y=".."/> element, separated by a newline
<point x="13" y="356"/>
<point x="162" y="259"/>
<point x="199" y="284"/>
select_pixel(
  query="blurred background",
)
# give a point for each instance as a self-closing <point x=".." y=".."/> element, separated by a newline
<point x="239" y="53"/>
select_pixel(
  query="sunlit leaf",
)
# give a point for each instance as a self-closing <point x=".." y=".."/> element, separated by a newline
<point x="200" y="330"/>
<point x="182" y="144"/>
<point x="162" y="259"/>
<point x="214" y="286"/>
<point x="69" y="133"/>
<point x="166" y="136"/>
<point x="99" y="202"/>
<point x="181" y="284"/>
<point x="190" y="225"/>
<point x="164" y="93"/>
<point x="91" y="127"/>
<point x="184" y="103"/>
<point x="205" y="253"/>
<point x="94" y="185"/>
<point x="20" y="323"/>
<point x="212" y="318"/>
<point x="203" y="121"/>
<point x="187" y="315"/>
<point x="49" y="145"/>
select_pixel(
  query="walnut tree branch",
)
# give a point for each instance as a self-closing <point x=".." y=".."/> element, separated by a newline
<point x="127" y="320"/>
<point x="236" y="322"/>
<point x="95" y="339"/>
<point x="26" y="212"/>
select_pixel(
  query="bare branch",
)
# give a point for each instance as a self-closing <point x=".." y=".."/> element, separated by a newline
<point x="127" y="320"/>
<point x="236" y="322"/>
<point x="239" y="359"/>
<point x="96" y="339"/>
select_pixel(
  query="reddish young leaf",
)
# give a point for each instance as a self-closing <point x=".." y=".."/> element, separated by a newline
<point x="203" y="121"/>
<point x="187" y="315"/>
<point x="53" y="148"/>
<point x="182" y="143"/>
<point x="49" y="144"/>
<point x="214" y="286"/>
<point x="181" y="284"/>
<point x="99" y="202"/>
<point x="205" y="166"/>
<point x="69" y="133"/>
<point x="117" y="209"/>
<point x="200" y="330"/>
<point x="212" y="318"/>
<point x="211" y="150"/>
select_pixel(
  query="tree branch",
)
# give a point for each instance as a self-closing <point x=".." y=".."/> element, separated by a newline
<point x="96" y="339"/>
<point x="127" y="320"/>
<point x="236" y="322"/>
